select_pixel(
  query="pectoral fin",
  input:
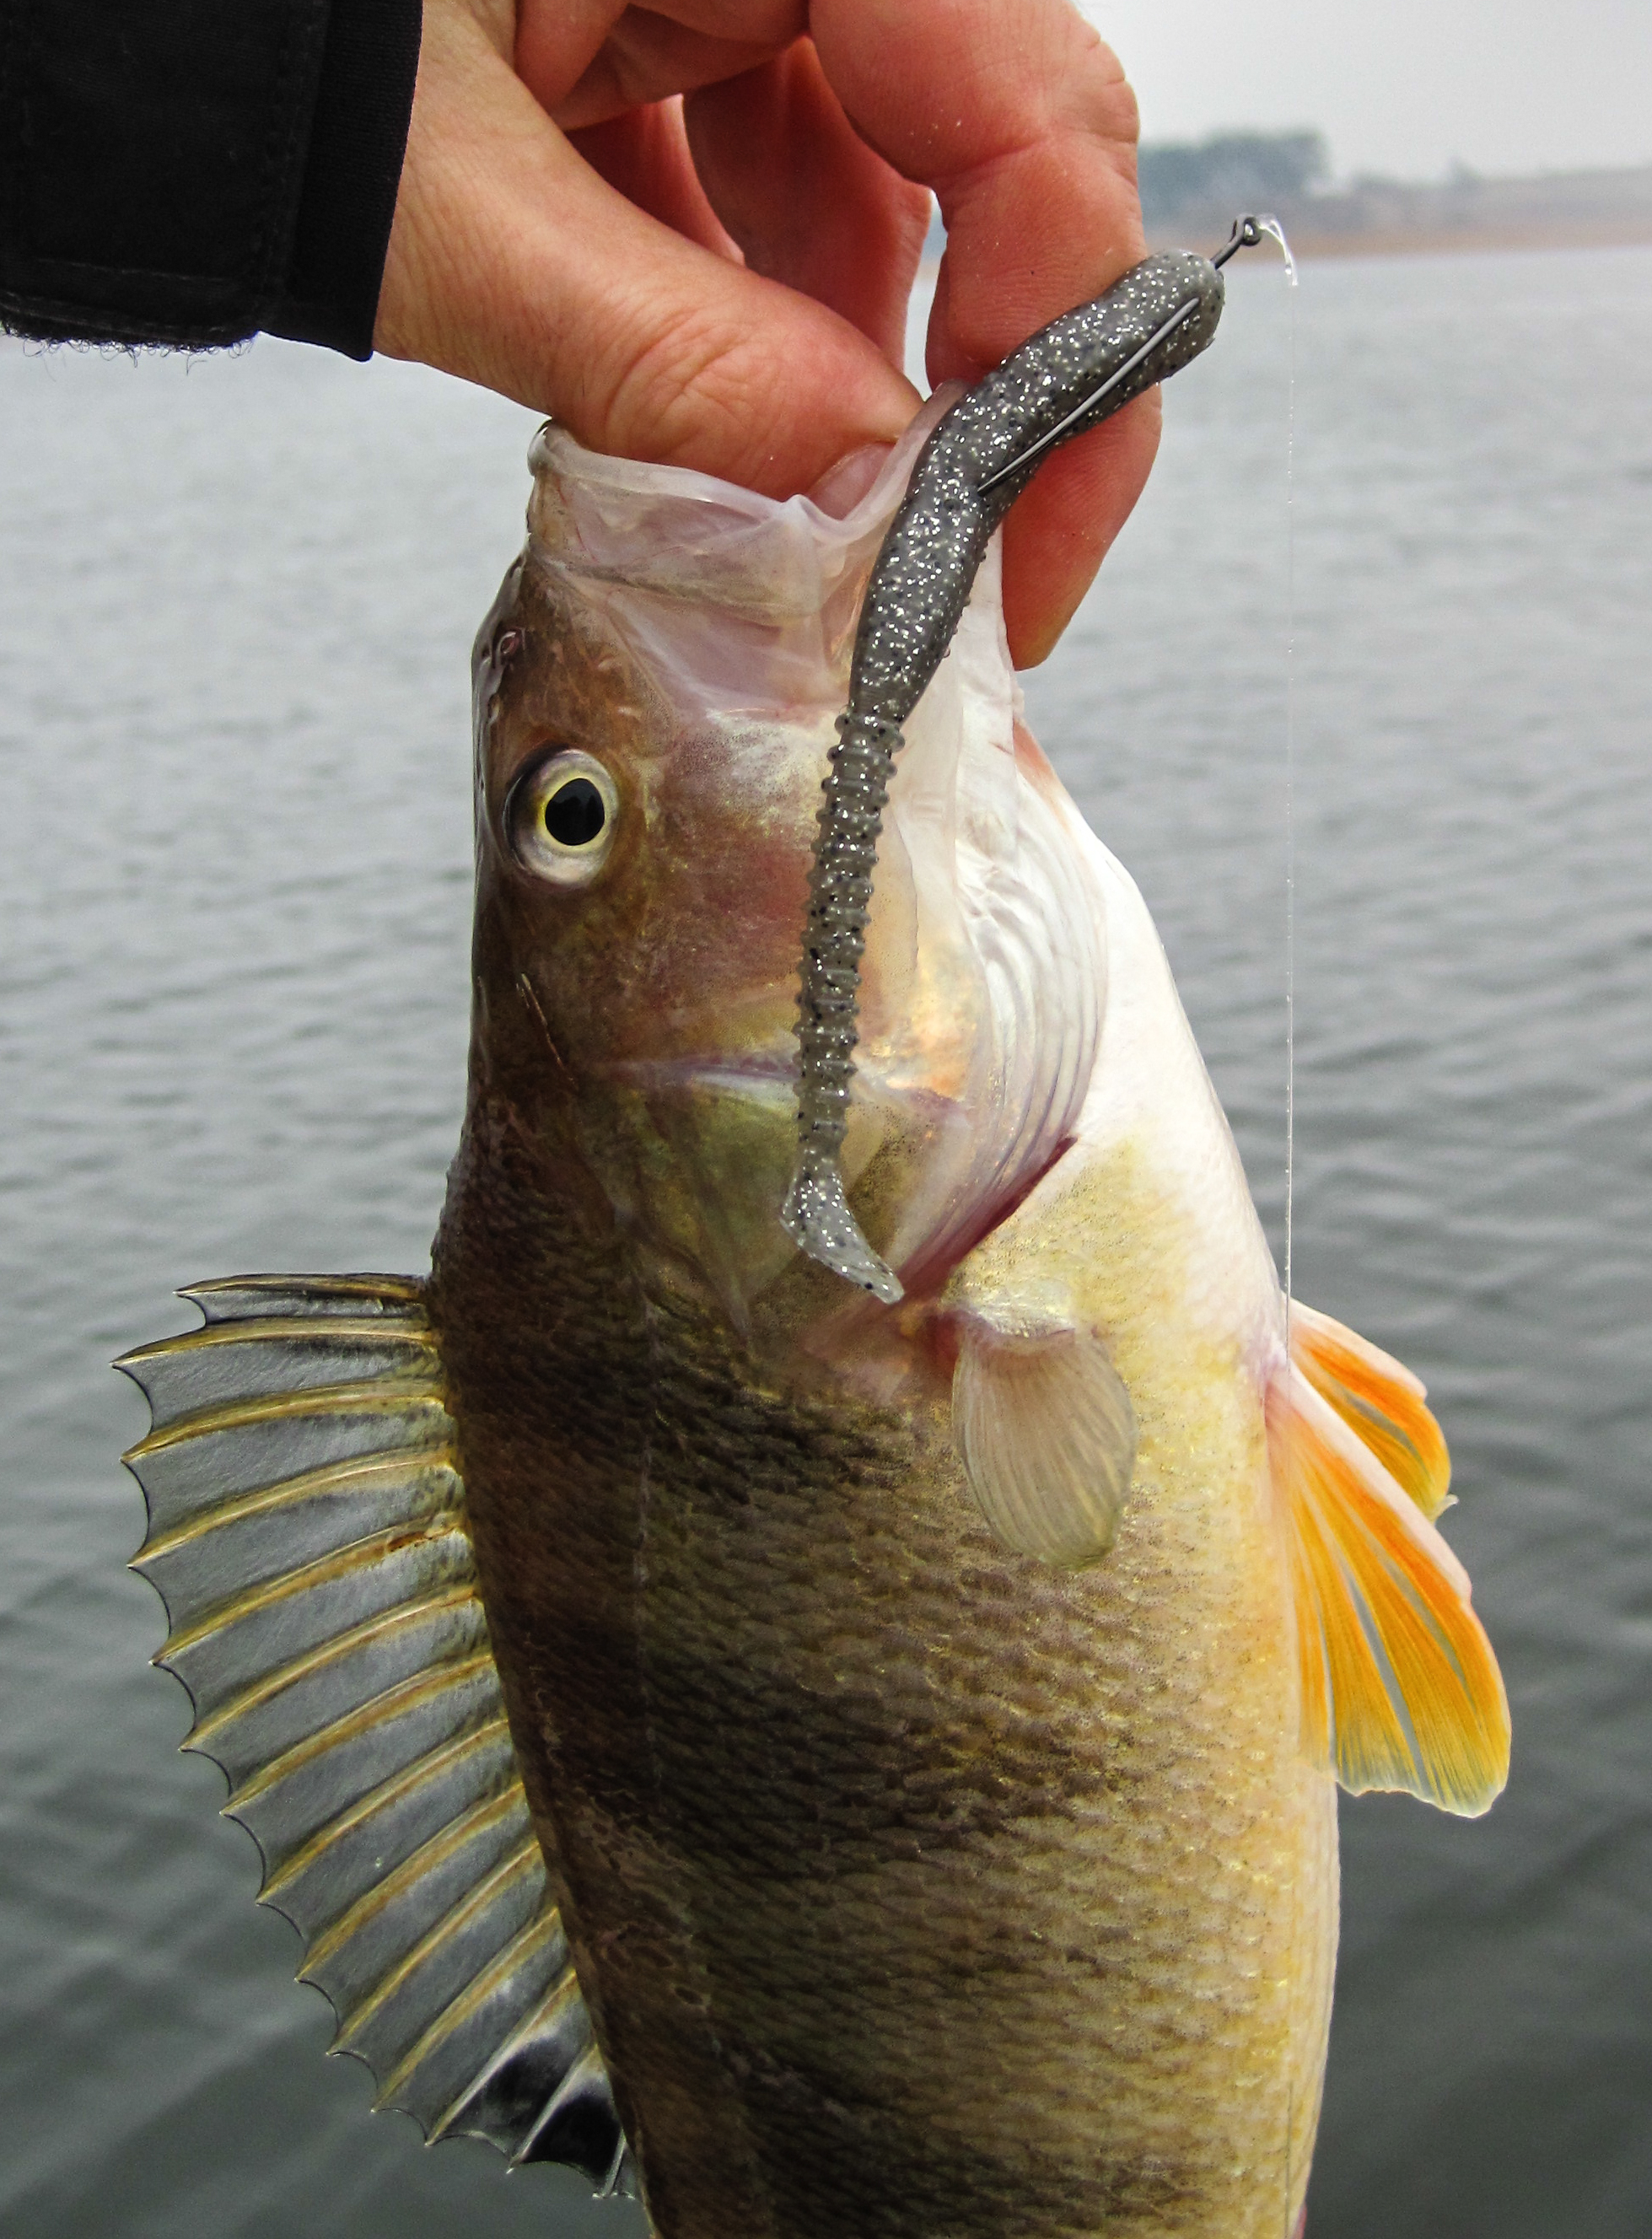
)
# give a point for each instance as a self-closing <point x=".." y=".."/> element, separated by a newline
<point x="1047" y="1436"/>
<point x="307" y="1533"/>
<point x="1399" y="1686"/>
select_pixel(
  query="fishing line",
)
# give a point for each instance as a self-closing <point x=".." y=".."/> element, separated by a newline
<point x="1272" y="225"/>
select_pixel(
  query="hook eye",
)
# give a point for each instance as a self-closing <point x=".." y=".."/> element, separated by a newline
<point x="1246" y="234"/>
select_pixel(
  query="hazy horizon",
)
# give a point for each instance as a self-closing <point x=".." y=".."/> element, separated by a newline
<point x="1342" y="175"/>
<point x="1501" y="87"/>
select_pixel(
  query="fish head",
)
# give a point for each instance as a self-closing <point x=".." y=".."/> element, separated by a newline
<point x="656" y="690"/>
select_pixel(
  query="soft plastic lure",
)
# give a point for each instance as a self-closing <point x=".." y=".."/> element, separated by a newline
<point x="1066" y="380"/>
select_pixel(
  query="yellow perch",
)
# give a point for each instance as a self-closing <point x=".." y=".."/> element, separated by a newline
<point x="851" y="1771"/>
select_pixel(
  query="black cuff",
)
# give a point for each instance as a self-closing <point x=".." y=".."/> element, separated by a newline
<point x="190" y="171"/>
<point x="357" y="140"/>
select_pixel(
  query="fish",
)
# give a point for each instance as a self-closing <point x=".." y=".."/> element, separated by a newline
<point x="823" y="1755"/>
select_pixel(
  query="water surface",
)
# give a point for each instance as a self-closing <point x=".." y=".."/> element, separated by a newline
<point x="235" y="602"/>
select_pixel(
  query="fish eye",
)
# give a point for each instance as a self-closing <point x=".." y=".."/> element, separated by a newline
<point x="560" y="817"/>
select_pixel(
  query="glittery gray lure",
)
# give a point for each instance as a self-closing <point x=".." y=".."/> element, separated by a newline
<point x="977" y="462"/>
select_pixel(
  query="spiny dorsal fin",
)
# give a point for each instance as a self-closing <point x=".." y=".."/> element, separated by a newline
<point x="307" y="1535"/>
<point x="1399" y="1686"/>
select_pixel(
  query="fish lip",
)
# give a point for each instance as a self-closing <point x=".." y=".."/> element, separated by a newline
<point x="759" y="1069"/>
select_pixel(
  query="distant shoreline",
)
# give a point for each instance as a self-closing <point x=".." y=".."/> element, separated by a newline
<point x="1431" y="241"/>
<point x="1392" y="217"/>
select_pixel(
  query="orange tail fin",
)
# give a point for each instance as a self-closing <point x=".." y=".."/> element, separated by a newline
<point x="1399" y="1686"/>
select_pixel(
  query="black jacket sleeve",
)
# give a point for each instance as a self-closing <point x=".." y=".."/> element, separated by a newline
<point x="191" y="172"/>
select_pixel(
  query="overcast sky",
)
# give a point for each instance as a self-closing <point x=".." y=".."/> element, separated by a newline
<point x="1403" y="86"/>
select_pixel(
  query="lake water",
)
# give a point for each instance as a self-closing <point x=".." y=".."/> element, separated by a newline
<point x="236" y="602"/>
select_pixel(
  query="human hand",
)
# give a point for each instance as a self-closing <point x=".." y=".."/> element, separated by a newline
<point x="720" y="281"/>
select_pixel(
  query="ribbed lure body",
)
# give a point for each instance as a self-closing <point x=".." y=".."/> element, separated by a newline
<point x="1066" y="380"/>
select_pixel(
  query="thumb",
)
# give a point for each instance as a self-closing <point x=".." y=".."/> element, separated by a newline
<point x="513" y="264"/>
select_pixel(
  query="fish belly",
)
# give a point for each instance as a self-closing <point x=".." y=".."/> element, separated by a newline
<point x="916" y="1888"/>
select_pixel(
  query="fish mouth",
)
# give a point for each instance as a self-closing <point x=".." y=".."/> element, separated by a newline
<point x="983" y="983"/>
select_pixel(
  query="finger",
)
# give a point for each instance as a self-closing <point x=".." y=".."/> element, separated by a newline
<point x="809" y="202"/>
<point x="1021" y="121"/>
<point x="588" y="60"/>
<point x="643" y="156"/>
<point x="513" y="264"/>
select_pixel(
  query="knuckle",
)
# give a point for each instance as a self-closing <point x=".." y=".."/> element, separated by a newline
<point x="689" y="394"/>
